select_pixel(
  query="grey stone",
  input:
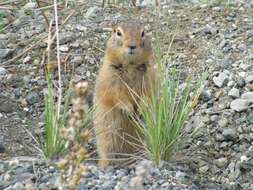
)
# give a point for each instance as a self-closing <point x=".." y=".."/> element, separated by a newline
<point x="223" y="122"/>
<point x="229" y="134"/>
<point x="66" y="37"/>
<point x="77" y="60"/>
<point x="2" y="149"/>
<point x="206" y="95"/>
<point x="223" y="43"/>
<point x="241" y="83"/>
<point x="221" y="162"/>
<point x="64" y="48"/>
<point x="4" y="53"/>
<point x="248" y="96"/>
<point x="145" y="2"/>
<point x="239" y="105"/>
<point x="30" y="6"/>
<point x="18" y="186"/>
<point x="250" y="119"/>
<point x="32" y="98"/>
<point x="245" y="66"/>
<point x="3" y="71"/>
<point x="7" y="105"/>
<point x="204" y="169"/>
<point x="27" y="59"/>
<point x="242" y="74"/>
<point x="92" y="12"/>
<point x="231" y="83"/>
<point x="3" y="37"/>
<point x="234" y="93"/>
<point x="249" y="79"/>
<point x="242" y="47"/>
<point x="3" y="44"/>
<point x="221" y="80"/>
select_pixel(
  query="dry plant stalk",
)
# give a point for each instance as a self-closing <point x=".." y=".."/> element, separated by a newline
<point x="43" y="13"/>
<point x="76" y="136"/>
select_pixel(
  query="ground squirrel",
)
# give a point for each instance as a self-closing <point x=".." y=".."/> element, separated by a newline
<point x="126" y="75"/>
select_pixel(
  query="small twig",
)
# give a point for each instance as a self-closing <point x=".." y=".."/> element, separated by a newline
<point x="45" y="7"/>
<point x="109" y="29"/>
<point x="8" y="8"/>
<point x="43" y="14"/>
<point x="99" y="49"/>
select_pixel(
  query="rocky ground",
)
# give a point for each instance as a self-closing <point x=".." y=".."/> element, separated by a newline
<point x="214" y="37"/>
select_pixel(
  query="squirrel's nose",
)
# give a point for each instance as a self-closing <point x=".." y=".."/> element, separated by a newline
<point x="132" y="47"/>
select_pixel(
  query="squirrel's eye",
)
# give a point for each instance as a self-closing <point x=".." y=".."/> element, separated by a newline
<point x="119" y="33"/>
<point x="142" y="34"/>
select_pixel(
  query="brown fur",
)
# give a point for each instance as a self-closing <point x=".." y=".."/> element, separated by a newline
<point x="122" y="80"/>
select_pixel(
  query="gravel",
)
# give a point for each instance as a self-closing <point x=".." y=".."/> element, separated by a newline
<point x="215" y="38"/>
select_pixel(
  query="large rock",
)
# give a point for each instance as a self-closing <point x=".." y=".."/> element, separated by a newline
<point x="239" y="105"/>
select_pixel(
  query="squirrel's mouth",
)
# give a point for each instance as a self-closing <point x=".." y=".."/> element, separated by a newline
<point x="130" y="51"/>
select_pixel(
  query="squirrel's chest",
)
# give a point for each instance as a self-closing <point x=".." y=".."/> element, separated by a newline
<point x="130" y="74"/>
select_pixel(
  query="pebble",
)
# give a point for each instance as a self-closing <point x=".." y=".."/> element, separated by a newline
<point x="77" y="60"/>
<point x="231" y="83"/>
<point x="239" y="105"/>
<point x="234" y="93"/>
<point x="17" y="186"/>
<point x="221" y="80"/>
<point x="2" y="148"/>
<point x="242" y="74"/>
<point x="4" y="53"/>
<point x="249" y="79"/>
<point x="244" y="158"/>
<point x="223" y="122"/>
<point x="3" y="71"/>
<point x="27" y="59"/>
<point x="245" y="66"/>
<point x="248" y="96"/>
<point x="30" y="6"/>
<point x="221" y="162"/>
<point x="241" y="83"/>
<point x="92" y="12"/>
<point x="206" y="95"/>
<point x="204" y="169"/>
<point x="250" y="118"/>
<point x="32" y="98"/>
<point x="229" y="134"/>
<point x="64" y="48"/>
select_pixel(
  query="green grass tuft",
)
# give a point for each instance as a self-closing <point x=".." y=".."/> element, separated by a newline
<point x="164" y="115"/>
<point x="53" y="143"/>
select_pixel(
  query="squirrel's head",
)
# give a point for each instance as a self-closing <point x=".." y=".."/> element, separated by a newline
<point x="130" y="41"/>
